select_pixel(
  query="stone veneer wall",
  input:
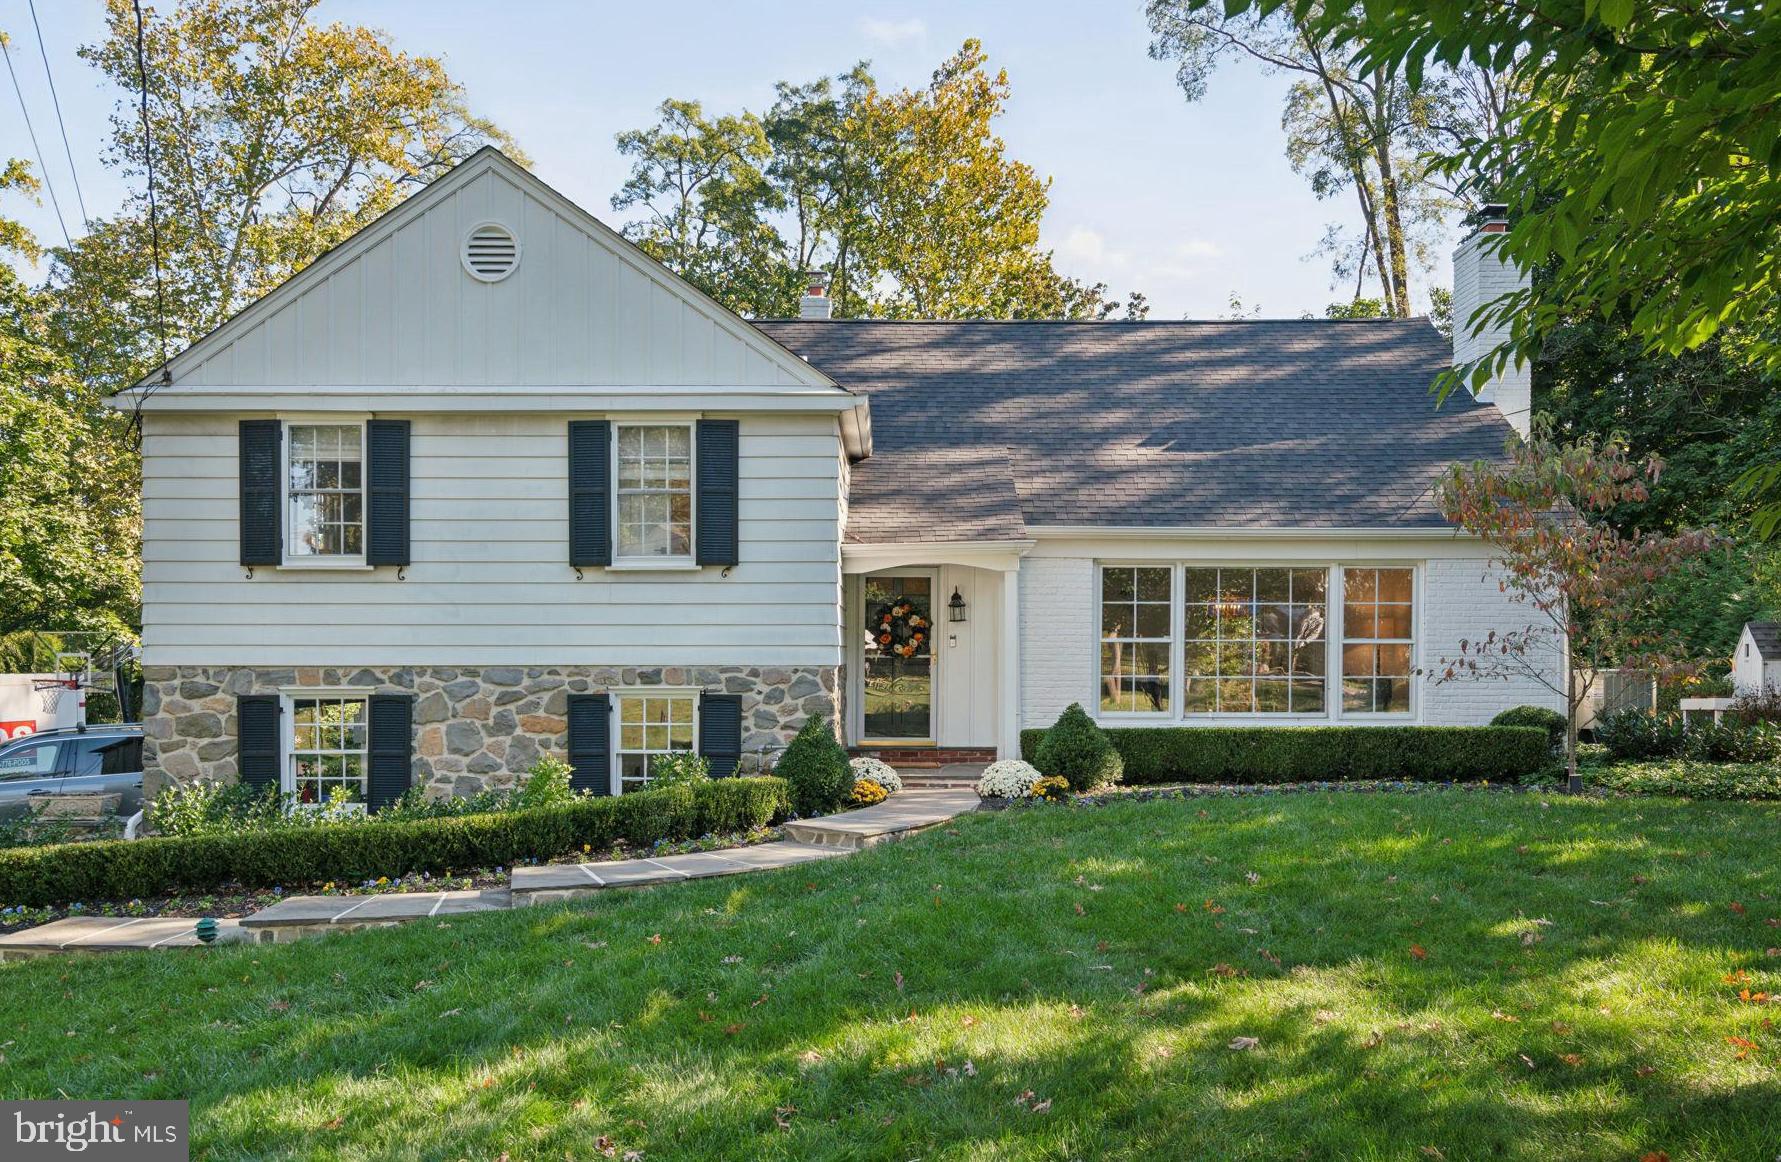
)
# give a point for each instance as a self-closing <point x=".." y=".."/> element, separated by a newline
<point x="476" y="727"/>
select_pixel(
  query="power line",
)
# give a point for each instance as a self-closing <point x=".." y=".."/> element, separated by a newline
<point x="56" y="102"/>
<point x="32" y="130"/>
<point x="154" y="224"/>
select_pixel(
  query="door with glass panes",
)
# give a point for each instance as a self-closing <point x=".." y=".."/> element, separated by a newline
<point x="899" y="672"/>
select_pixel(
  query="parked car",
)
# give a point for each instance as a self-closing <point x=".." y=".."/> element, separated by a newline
<point x="99" y="760"/>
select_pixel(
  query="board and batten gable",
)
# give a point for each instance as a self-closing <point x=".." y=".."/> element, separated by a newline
<point x="489" y="581"/>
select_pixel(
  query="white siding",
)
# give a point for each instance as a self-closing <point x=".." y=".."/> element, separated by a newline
<point x="394" y="306"/>
<point x="1458" y="599"/>
<point x="490" y="583"/>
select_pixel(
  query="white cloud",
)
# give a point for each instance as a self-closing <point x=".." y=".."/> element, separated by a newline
<point x="894" y="31"/>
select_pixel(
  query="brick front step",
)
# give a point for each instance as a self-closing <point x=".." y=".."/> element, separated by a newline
<point x="926" y="756"/>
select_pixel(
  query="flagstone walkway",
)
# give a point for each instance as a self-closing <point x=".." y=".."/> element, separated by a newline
<point x="805" y="841"/>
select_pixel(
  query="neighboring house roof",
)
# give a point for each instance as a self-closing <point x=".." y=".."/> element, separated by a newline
<point x="1767" y="636"/>
<point x="1255" y="424"/>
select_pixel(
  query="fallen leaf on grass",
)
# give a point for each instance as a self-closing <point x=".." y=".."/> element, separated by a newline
<point x="605" y="1147"/>
<point x="967" y="1020"/>
<point x="1645" y="1070"/>
<point x="1571" y="1059"/>
<point x="1561" y="1028"/>
<point x="452" y="1013"/>
<point x="782" y="1116"/>
<point x="1224" y="970"/>
<point x="1526" y="1060"/>
<point x="1325" y="1016"/>
<point x="1655" y="1156"/>
<point x="1374" y="1040"/>
<point x="810" y="1056"/>
<point x="732" y="1030"/>
<point x="1042" y="1106"/>
<point x="899" y="979"/>
<point x="1433" y="1152"/>
<point x="656" y="939"/>
<point x="334" y="1123"/>
<point x="1738" y="908"/>
<point x="1742" y="1044"/>
<point x="1418" y="952"/>
<point x="1076" y="1011"/>
<point x="1241" y="1043"/>
<point x="279" y="1006"/>
<point x="1502" y="1016"/>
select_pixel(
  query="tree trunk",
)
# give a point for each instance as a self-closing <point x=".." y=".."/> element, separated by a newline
<point x="1573" y="781"/>
<point x="1388" y="204"/>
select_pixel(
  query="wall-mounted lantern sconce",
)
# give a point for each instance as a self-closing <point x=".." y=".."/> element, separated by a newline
<point x="956" y="607"/>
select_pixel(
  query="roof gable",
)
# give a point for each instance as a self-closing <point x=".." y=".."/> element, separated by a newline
<point x="1767" y="637"/>
<point x="394" y="305"/>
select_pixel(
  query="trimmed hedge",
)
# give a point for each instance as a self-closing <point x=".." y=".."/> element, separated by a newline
<point x="354" y="852"/>
<point x="1292" y="754"/>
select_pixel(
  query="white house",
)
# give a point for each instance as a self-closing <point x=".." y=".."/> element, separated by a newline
<point x="485" y="482"/>
<point x="1756" y="663"/>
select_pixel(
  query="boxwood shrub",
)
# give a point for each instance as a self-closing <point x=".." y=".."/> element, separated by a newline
<point x="1293" y="754"/>
<point x="354" y="852"/>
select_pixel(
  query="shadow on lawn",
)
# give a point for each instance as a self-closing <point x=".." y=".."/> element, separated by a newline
<point x="1100" y="959"/>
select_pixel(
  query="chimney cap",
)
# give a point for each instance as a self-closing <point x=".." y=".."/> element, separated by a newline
<point x="1493" y="218"/>
<point x="817" y="282"/>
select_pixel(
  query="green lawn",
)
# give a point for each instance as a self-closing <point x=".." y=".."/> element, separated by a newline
<point x="1458" y="975"/>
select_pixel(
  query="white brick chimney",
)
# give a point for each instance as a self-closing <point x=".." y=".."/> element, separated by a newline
<point x="816" y="303"/>
<point x="1479" y="277"/>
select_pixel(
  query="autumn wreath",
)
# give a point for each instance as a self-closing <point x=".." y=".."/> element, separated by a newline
<point x="901" y="630"/>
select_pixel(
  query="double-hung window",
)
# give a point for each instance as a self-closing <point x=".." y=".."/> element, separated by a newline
<point x="329" y="749"/>
<point x="651" y="725"/>
<point x="325" y="492"/>
<point x="1377" y="636"/>
<point x="1135" y="646"/>
<point x="654" y="497"/>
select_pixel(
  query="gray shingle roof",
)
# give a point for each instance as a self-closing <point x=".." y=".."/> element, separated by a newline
<point x="895" y="494"/>
<point x="1767" y="636"/>
<point x="1261" y="424"/>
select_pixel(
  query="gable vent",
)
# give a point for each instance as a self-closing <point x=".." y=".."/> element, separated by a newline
<point x="490" y="252"/>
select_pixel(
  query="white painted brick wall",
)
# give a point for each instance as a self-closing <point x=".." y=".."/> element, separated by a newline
<point x="1058" y="627"/>
<point x="1479" y="277"/>
<point x="1462" y="600"/>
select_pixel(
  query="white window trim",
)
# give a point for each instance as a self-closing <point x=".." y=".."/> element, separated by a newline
<point x="1383" y="717"/>
<point x="347" y="561"/>
<point x="615" y="773"/>
<point x="690" y="559"/>
<point x="287" y="738"/>
<point x="1176" y="652"/>
<point x="1333" y="631"/>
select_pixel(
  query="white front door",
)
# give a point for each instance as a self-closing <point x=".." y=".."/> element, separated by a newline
<point x="899" y="680"/>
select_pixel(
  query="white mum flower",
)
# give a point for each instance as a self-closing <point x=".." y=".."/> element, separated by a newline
<point x="879" y="771"/>
<point x="1008" y="779"/>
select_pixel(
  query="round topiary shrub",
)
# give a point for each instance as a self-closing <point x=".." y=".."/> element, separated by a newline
<point x="879" y="771"/>
<point x="816" y="767"/>
<point x="1551" y="721"/>
<point x="1079" y="751"/>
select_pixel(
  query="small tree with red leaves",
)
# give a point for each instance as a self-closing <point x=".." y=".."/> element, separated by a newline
<point x="1593" y="590"/>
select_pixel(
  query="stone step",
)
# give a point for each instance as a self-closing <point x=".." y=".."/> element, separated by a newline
<point x="313" y="915"/>
<point x="112" y="934"/>
<point x="896" y="817"/>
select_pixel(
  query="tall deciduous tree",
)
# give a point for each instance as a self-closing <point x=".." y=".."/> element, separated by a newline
<point x="1359" y="131"/>
<point x="909" y="197"/>
<point x="1596" y="595"/>
<point x="68" y="491"/>
<point x="273" y="138"/>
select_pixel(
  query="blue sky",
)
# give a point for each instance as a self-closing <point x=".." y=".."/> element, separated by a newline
<point x="1188" y="203"/>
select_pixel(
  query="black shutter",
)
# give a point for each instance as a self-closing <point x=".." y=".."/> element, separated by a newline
<point x="392" y="747"/>
<point x="259" y="742"/>
<point x="590" y="498"/>
<point x="590" y="743"/>
<point x="386" y="492"/>
<point x="720" y="732"/>
<point x="262" y="530"/>
<point x="717" y="467"/>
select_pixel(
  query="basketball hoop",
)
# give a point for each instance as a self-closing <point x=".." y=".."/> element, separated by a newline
<point x="49" y="692"/>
